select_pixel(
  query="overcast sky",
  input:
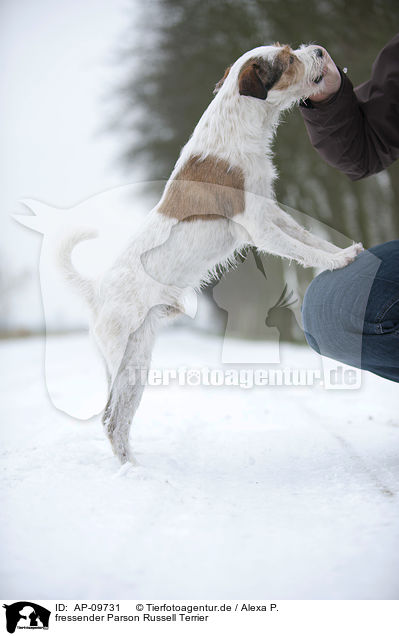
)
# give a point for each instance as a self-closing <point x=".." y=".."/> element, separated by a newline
<point x="57" y="66"/>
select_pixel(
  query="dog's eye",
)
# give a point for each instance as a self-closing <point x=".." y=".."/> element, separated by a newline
<point x="291" y="59"/>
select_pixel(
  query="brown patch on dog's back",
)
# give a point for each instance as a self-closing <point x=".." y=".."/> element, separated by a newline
<point x="204" y="189"/>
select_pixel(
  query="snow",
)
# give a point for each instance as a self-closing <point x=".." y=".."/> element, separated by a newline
<point x="269" y="492"/>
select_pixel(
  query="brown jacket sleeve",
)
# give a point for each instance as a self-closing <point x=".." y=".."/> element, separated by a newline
<point x="357" y="130"/>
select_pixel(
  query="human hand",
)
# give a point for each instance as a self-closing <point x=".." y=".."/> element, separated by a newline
<point x="331" y="82"/>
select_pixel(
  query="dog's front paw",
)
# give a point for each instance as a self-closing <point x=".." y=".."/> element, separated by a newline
<point x="346" y="256"/>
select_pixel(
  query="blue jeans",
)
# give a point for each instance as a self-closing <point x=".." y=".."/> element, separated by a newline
<point x="352" y="314"/>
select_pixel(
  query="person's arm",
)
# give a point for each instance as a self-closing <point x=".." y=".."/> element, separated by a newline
<point x="357" y="130"/>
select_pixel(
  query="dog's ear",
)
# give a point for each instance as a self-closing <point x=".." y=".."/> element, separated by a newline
<point x="250" y="84"/>
<point x="221" y="81"/>
<point x="257" y="77"/>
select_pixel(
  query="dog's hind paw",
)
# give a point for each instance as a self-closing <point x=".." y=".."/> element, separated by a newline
<point x="123" y="470"/>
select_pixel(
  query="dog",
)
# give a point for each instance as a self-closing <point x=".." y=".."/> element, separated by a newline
<point x="218" y="200"/>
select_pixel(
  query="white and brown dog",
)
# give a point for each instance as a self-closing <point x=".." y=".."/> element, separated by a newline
<point x="218" y="200"/>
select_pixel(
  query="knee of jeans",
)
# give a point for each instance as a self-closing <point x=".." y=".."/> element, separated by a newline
<point x="312" y="342"/>
<point x="319" y="314"/>
<point x="331" y="326"/>
<point x="310" y="319"/>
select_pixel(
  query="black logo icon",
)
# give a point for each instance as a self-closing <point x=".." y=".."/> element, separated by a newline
<point x="26" y="615"/>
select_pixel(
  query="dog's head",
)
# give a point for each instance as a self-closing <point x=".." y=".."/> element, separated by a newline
<point x="275" y="73"/>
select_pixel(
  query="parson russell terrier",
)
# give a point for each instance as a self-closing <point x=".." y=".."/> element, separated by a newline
<point x="219" y="199"/>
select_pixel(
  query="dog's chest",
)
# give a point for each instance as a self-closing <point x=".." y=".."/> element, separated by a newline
<point x="259" y="173"/>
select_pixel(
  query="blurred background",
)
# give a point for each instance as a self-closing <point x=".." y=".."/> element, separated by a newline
<point x="101" y="93"/>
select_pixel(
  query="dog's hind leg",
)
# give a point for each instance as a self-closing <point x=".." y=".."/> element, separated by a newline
<point x="127" y="388"/>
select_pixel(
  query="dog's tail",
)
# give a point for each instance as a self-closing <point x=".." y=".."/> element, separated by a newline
<point x="128" y="385"/>
<point x="85" y="286"/>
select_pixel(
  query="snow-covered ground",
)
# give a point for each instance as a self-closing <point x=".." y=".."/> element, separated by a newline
<point x="270" y="492"/>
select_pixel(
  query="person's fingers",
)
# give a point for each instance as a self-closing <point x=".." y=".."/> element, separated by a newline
<point x="331" y="81"/>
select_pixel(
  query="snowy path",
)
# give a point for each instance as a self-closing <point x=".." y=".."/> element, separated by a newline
<point x="284" y="492"/>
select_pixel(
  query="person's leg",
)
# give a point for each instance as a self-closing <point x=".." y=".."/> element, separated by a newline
<point x="352" y="314"/>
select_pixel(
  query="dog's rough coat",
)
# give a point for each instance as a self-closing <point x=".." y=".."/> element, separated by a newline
<point x="218" y="200"/>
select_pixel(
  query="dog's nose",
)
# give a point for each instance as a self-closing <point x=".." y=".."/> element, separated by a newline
<point x="319" y="52"/>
